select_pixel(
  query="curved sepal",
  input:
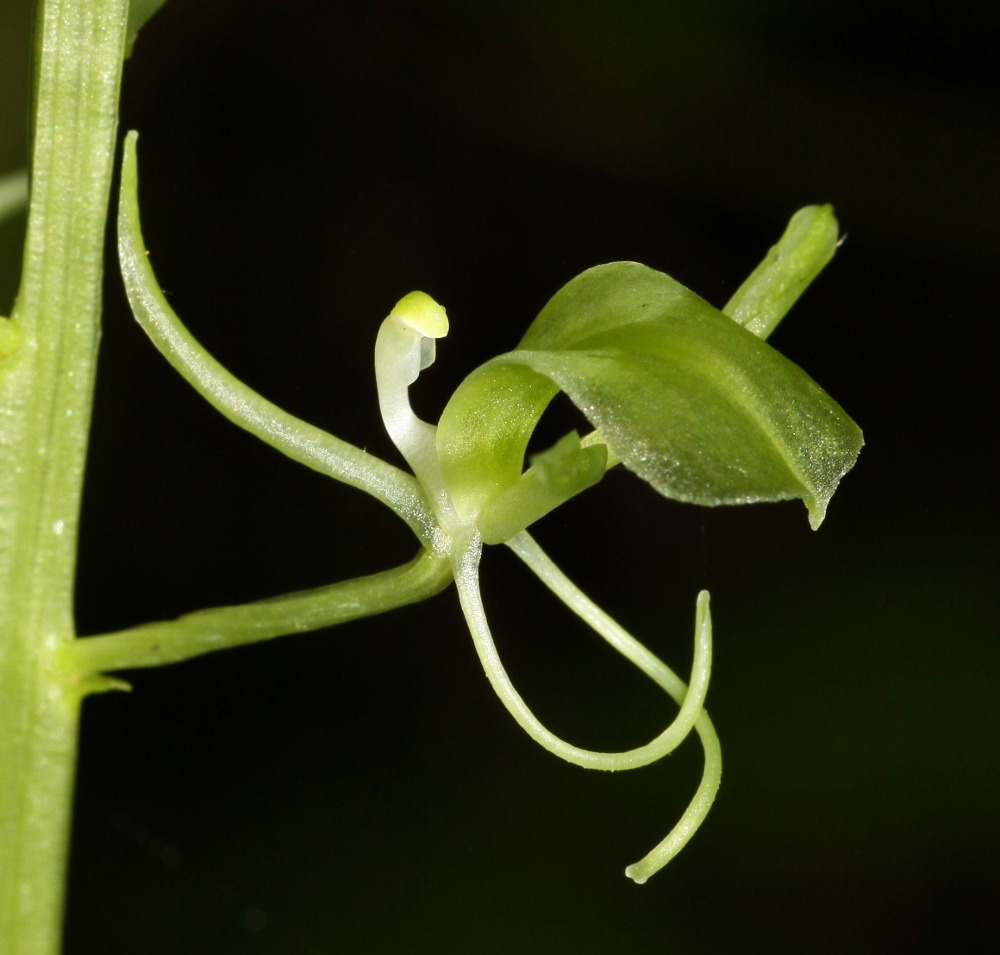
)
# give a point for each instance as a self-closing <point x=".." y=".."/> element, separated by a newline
<point x="694" y="404"/>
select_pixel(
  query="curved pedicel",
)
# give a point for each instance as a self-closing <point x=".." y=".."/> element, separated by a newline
<point x="295" y="438"/>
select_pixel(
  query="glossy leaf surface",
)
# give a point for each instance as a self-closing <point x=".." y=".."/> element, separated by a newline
<point x="696" y="405"/>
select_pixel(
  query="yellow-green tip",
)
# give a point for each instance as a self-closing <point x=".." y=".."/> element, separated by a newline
<point x="422" y="314"/>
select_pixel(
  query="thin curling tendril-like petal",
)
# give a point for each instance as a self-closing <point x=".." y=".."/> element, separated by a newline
<point x="466" y="569"/>
<point x="697" y="809"/>
<point x="607" y="627"/>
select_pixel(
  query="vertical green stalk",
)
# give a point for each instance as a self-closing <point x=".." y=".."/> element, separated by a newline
<point x="46" y="392"/>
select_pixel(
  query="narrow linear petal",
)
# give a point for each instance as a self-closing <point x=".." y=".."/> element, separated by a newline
<point x="528" y="550"/>
<point x="466" y="569"/>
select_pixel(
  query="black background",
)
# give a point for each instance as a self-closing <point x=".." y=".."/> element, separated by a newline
<point x="303" y="165"/>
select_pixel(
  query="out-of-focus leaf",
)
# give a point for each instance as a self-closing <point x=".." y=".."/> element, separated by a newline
<point x="690" y="401"/>
<point x="139" y="11"/>
<point x="13" y="193"/>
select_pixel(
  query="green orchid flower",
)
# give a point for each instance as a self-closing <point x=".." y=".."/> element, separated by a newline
<point x="689" y="398"/>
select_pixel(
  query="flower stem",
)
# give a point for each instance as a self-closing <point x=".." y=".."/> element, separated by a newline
<point x="194" y="634"/>
<point x="46" y="393"/>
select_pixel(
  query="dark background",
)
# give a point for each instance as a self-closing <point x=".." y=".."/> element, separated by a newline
<point x="304" y="164"/>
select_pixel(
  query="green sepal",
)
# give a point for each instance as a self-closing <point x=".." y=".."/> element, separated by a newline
<point x="690" y="401"/>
